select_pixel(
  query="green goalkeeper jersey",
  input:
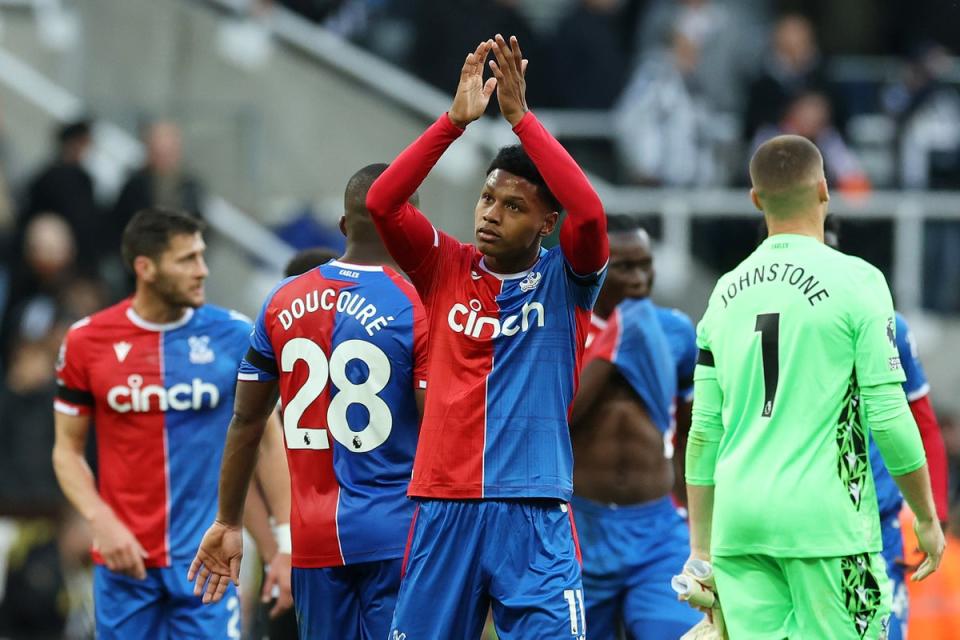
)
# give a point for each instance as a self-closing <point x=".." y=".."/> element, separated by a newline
<point x="790" y="336"/>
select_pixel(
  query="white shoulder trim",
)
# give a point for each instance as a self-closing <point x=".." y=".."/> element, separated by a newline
<point x="82" y="322"/>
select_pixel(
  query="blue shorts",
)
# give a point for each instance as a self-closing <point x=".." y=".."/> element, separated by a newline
<point x="355" y="601"/>
<point x="629" y="555"/>
<point x="159" y="607"/>
<point x="893" y="551"/>
<point x="520" y="556"/>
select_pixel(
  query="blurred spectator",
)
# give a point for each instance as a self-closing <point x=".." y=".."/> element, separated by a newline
<point x="808" y="115"/>
<point x="663" y="121"/>
<point x="161" y="182"/>
<point x="66" y="188"/>
<point x="927" y="111"/>
<point x="595" y="51"/>
<point x="725" y="35"/>
<point x="45" y="286"/>
<point x="49" y="585"/>
<point x="27" y="484"/>
<point x="792" y="67"/>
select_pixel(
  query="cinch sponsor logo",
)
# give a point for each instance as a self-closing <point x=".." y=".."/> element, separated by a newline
<point x="180" y="397"/>
<point x="466" y="320"/>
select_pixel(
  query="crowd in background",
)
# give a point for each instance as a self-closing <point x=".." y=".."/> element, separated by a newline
<point x="691" y="86"/>
<point x="695" y="85"/>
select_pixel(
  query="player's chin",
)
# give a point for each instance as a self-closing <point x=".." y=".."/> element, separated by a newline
<point x="194" y="298"/>
<point x="487" y="245"/>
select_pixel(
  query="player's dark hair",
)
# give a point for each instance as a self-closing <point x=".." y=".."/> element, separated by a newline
<point x="355" y="194"/>
<point x="514" y="159"/>
<point x="307" y="259"/>
<point x="783" y="171"/>
<point x="149" y="231"/>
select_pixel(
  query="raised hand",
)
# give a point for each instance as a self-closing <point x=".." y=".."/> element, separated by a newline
<point x="509" y="70"/>
<point x="217" y="562"/>
<point x="473" y="94"/>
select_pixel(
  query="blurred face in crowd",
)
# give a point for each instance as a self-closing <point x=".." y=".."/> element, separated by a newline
<point x="164" y="147"/>
<point x="686" y="54"/>
<point x="31" y="366"/>
<point x="630" y="274"/>
<point x="794" y="43"/>
<point x="49" y="246"/>
<point x="808" y="116"/>
<point x="178" y="274"/>
<point x="511" y="218"/>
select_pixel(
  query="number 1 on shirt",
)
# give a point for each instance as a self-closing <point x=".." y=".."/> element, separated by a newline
<point x="768" y="325"/>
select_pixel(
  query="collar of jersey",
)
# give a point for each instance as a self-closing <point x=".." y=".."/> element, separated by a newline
<point x="153" y="326"/>
<point x="356" y="267"/>
<point x="509" y="276"/>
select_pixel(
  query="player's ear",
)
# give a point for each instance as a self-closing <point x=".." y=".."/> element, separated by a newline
<point x="343" y="225"/>
<point x="549" y="224"/>
<point x="822" y="191"/>
<point x="144" y="268"/>
<point x="755" y="199"/>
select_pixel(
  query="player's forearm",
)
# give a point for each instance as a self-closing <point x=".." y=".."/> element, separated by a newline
<point x="406" y="173"/>
<point x="583" y="235"/>
<point x="700" y="510"/>
<point x="936" y="451"/>
<point x="681" y="435"/>
<point x="706" y="431"/>
<point x="893" y="427"/>
<point x="915" y="487"/>
<point x="77" y="482"/>
<point x="405" y="231"/>
<point x="239" y="460"/>
<point x="256" y="520"/>
<point x="272" y="472"/>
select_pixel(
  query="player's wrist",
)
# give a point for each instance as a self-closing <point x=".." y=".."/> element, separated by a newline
<point x="516" y="116"/>
<point x="456" y="121"/>
<point x="228" y="523"/>
<point x="100" y="512"/>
